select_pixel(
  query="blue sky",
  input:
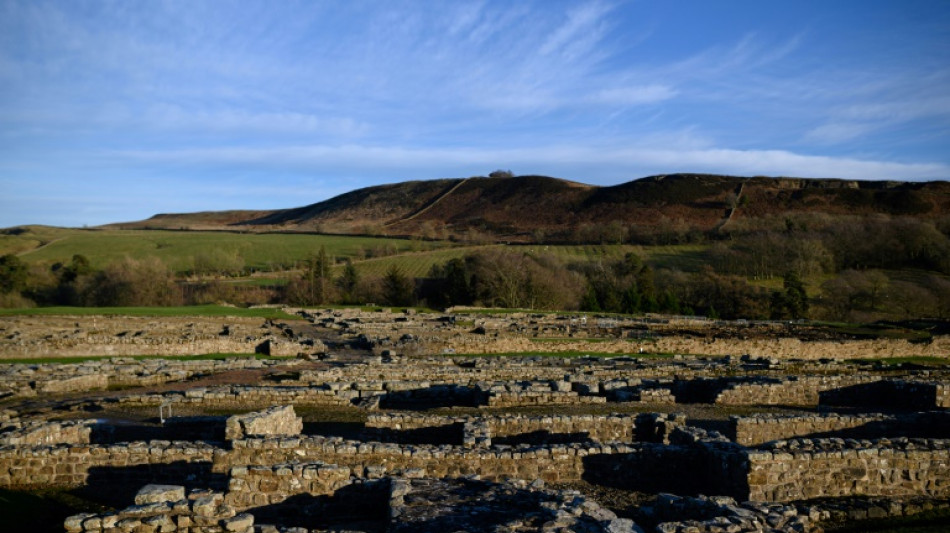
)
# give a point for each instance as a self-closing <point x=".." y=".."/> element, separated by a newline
<point x="117" y="110"/>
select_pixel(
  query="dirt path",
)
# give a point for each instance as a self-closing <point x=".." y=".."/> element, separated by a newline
<point x="428" y="206"/>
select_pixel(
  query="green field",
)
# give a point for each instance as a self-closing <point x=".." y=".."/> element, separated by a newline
<point x="177" y="249"/>
<point x="194" y="310"/>
<point x="414" y="264"/>
<point x="685" y="257"/>
<point x="81" y="358"/>
<point x="273" y="252"/>
<point x="566" y="353"/>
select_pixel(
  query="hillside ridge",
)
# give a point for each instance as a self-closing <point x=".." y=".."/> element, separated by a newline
<point x="523" y="208"/>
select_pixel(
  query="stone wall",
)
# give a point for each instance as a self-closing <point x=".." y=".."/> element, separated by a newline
<point x="595" y="428"/>
<point x="276" y="421"/>
<point x="30" y="380"/>
<point x="65" y="336"/>
<point x="842" y="390"/>
<point x="522" y="398"/>
<point x="256" y="486"/>
<point x="40" y="433"/>
<point x="240" y="396"/>
<point x="135" y="463"/>
<point x="789" y="391"/>
<point x="829" y="468"/>
<point x="549" y="463"/>
<point x="611" y="428"/>
<point x="166" y="509"/>
<point x="760" y="429"/>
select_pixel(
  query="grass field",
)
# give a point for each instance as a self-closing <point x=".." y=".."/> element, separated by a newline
<point x="414" y="264"/>
<point x="80" y="358"/>
<point x="178" y="248"/>
<point x="196" y="310"/>
<point x="566" y="353"/>
<point x="268" y="252"/>
<point x="684" y="257"/>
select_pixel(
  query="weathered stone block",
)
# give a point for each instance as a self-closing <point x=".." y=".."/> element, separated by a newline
<point x="159" y="493"/>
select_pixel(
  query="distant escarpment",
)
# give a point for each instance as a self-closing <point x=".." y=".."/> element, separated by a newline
<point x="539" y="208"/>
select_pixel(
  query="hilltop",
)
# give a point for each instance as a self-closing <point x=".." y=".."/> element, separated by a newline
<point x="523" y="208"/>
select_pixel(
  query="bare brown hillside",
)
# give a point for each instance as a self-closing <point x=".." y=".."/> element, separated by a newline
<point x="524" y="207"/>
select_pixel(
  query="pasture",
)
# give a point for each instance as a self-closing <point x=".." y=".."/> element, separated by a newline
<point x="259" y="251"/>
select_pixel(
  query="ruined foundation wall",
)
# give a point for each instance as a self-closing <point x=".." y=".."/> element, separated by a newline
<point x="755" y="430"/>
<point x="610" y="428"/>
<point x="72" y="465"/>
<point x="829" y="468"/>
<point x="800" y="391"/>
<point x="782" y="348"/>
<point x="48" y="433"/>
<point x="550" y="463"/>
<point x="240" y="396"/>
<point x="256" y="486"/>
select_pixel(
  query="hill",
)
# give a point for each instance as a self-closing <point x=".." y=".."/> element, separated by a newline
<point x="529" y="208"/>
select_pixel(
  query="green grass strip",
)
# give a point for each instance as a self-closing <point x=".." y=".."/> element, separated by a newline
<point x="566" y="353"/>
<point x="914" y="360"/>
<point x="184" y="311"/>
<point x="83" y="358"/>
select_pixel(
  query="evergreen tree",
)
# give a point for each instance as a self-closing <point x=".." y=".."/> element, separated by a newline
<point x="397" y="287"/>
<point x="630" y="300"/>
<point x="13" y="273"/>
<point x="318" y="277"/>
<point x="795" y="295"/>
<point x="590" y="302"/>
<point x="348" y="281"/>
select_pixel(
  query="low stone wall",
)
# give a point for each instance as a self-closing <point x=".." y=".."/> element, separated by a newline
<point x="829" y="468"/>
<point x="48" y="433"/>
<point x="77" y="383"/>
<point x="595" y="428"/>
<point x="166" y="509"/>
<point x="31" y="380"/>
<point x="760" y="429"/>
<point x="135" y="463"/>
<point x="276" y="421"/>
<point x="549" y="463"/>
<point x="515" y="399"/>
<point x="240" y="396"/>
<point x="611" y="428"/>
<point x="65" y="336"/>
<point x="256" y="486"/>
<point x="789" y="391"/>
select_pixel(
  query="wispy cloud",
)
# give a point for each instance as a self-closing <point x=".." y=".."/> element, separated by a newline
<point x="603" y="162"/>
<point x="221" y="95"/>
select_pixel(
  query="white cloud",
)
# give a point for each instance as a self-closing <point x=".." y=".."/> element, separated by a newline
<point x="598" y="163"/>
<point x="834" y="133"/>
<point x="634" y="95"/>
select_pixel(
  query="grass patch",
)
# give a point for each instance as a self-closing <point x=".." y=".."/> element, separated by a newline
<point x="566" y="353"/>
<point x="184" y="311"/>
<point x="81" y="358"/>
<point x="177" y="249"/>
<point x="567" y="340"/>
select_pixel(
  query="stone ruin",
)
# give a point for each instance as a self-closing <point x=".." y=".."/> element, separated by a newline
<point x="462" y="443"/>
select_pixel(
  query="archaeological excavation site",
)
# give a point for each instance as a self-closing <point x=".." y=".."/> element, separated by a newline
<point x="387" y="420"/>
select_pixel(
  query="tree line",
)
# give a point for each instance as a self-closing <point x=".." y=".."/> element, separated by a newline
<point x="859" y="269"/>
